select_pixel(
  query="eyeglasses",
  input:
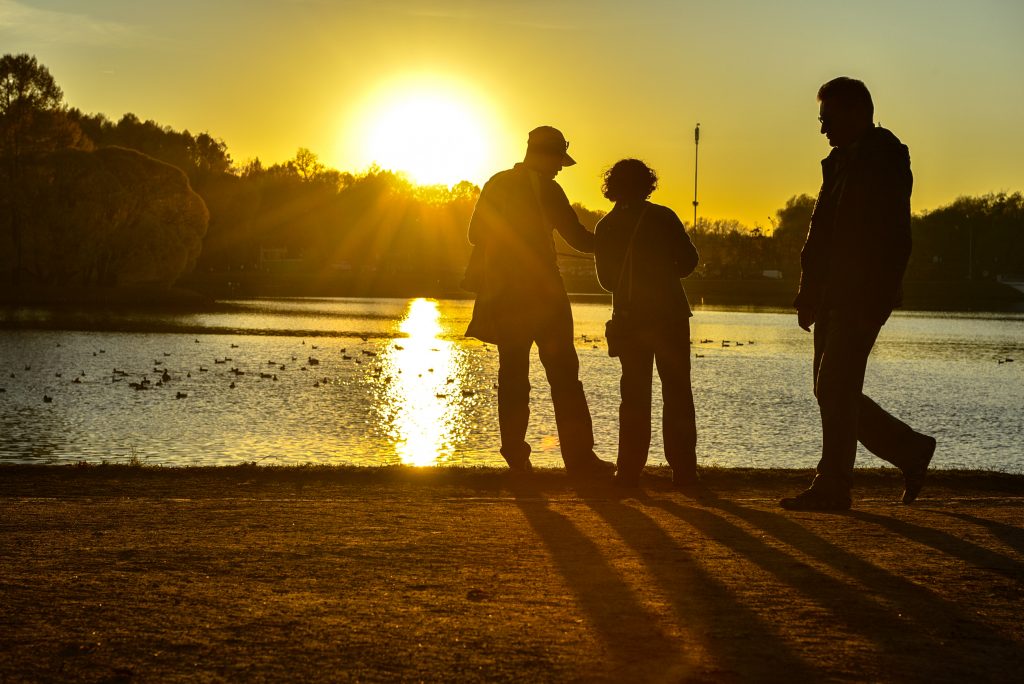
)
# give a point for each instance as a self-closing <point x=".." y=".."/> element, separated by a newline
<point x="552" y="147"/>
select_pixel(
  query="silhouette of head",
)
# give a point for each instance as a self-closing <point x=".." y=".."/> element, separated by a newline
<point x="845" y="111"/>
<point x="629" y="180"/>
<point x="547" y="151"/>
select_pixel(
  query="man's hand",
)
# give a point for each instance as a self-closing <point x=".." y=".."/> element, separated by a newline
<point x="805" y="318"/>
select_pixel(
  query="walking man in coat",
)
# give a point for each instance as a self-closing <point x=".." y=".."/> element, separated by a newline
<point x="852" y="264"/>
<point x="521" y="300"/>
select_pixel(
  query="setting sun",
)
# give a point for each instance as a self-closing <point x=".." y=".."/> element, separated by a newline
<point x="432" y="132"/>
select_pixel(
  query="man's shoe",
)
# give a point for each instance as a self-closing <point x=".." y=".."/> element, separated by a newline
<point x="623" y="481"/>
<point x="913" y="477"/>
<point x="521" y="468"/>
<point x="591" y="469"/>
<point x="816" y="500"/>
<point x="689" y="485"/>
<point x="687" y="479"/>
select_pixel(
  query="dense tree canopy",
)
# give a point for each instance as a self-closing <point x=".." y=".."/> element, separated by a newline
<point x="974" y="238"/>
<point x="110" y="217"/>
<point x="31" y="108"/>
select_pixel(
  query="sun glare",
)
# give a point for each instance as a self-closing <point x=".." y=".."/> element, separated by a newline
<point x="433" y="132"/>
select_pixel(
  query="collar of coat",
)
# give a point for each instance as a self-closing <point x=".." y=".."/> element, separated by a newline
<point x="876" y="142"/>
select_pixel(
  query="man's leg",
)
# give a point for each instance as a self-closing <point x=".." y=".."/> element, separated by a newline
<point x="572" y="415"/>
<point x="514" y="402"/>
<point x="842" y="343"/>
<point x="634" y="411"/>
<point x="841" y="348"/>
<point x="880" y="432"/>
<point x="888" y="437"/>
<point x="892" y="440"/>
<point x="679" y="419"/>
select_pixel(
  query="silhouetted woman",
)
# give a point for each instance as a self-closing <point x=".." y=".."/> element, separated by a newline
<point x="642" y="251"/>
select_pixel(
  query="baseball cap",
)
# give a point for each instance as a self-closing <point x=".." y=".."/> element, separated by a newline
<point x="549" y="140"/>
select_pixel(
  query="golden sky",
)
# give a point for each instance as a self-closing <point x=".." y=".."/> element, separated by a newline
<point x="619" y="78"/>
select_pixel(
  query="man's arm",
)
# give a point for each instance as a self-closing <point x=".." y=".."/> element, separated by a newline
<point x="564" y="220"/>
<point x="607" y="260"/>
<point x="813" y="259"/>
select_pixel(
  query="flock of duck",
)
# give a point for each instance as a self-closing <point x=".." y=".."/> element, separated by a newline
<point x="163" y="375"/>
<point x="726" y="344"/>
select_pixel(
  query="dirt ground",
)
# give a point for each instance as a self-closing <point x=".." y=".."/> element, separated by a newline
<point x="118" y="574"/>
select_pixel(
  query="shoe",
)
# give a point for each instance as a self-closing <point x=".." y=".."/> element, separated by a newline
<point x="521" y="467"/>
<point x="623" y="481"/>
<point x="685" y="479"/>
<point x="591" y="469"/>
<point x="913" y="477"/>
<point x="816" y="500"/>
<point x="689" y="485"/>
<point x="694" y="490"/>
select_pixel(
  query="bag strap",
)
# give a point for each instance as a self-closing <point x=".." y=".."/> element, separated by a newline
<point x="628" y="259"/>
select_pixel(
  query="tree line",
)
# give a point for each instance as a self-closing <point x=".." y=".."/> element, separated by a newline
<point x="73" y="213"/>
<point x="88" y="201"/>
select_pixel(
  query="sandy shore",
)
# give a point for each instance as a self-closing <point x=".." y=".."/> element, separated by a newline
<point x="121" y="574"/>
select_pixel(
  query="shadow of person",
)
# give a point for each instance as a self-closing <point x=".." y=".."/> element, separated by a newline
<point x="906" y="621"/>
<point x="638" y="646"/>
<point x="1010" y="535"/>
<point x="948" y="544"/>
<point x="739" y="643"/>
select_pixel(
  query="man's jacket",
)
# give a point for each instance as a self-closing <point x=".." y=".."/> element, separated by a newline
<point x="514" y="268"/>
<point x="859" y="241"/>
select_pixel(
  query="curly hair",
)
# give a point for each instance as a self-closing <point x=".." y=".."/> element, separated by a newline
<point x="629" y="180"/>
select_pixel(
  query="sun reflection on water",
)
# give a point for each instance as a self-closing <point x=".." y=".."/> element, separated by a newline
<point x="422" y="395"/>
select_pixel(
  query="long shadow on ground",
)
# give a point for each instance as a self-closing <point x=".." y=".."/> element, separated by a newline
<point x="921" y="635"/>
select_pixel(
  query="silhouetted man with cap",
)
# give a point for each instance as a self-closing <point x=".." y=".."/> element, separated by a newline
<point x="521" y="299"/>
<point x="852" y="263"/>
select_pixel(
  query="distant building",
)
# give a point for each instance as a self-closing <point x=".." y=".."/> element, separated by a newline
<point x="1014" y="281"/>
<point x="278" y="260"/>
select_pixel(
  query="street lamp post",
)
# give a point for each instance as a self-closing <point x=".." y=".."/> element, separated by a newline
<point x="696" y="156"/>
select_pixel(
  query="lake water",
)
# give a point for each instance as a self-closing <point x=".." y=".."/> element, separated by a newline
<point x="395" y="382"/>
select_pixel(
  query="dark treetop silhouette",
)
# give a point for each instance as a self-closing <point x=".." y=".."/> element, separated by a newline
<point x="853" y="261"/>
<point x="302" y="228"/>
<point x="641" y="252"/>
<point x="521" y="299"/>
